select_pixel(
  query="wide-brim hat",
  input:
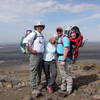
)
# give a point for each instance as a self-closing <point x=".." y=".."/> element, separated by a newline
<point x="39" y="24"/>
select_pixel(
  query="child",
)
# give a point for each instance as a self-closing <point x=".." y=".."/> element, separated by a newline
<point x="22" y="45"/>
<point x="50" y="64"/>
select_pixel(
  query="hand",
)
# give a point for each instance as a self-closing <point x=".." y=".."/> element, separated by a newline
<point x="62" y="63"/>
<point x="34" y="51"/>
<point x="24" y="52"/>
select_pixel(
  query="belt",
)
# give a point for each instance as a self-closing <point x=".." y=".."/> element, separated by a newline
<point x="52" y="61"/>
<point x="36" y="53"/>
<point x="59" y="55"/>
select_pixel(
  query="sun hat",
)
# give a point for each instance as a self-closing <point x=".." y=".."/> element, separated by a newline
<point x="39" y="24"/>
<point x="28" y="31"/>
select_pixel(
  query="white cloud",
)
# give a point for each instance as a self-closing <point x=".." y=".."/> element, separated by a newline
<point x="98" y="26"/>
<point x="8" y="18"/>
<point x="75" y="8"/>
<point x="16" y="10"/>
<point x="72" y="8"/>
<point x="95" y="16"/>
<point x="21" y="8"/>
<point x="83" y="7"/>
<point x="77" y="21"/>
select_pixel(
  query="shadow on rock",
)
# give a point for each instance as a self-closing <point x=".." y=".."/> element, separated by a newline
<point x="48" y="98"/>
<point x="84" y="80"/>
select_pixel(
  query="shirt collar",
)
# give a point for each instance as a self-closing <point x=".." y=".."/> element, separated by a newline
<point x="37" y="32"/>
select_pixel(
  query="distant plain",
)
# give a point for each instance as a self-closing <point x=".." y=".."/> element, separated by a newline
<point x="11" y="56"/>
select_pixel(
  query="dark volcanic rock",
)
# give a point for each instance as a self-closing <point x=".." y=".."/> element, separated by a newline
<point x="89" y="67"/>
<point x="10" y="82"/>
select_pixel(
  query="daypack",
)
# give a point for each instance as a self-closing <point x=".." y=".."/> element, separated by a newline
<point x="75" y="44"/>
<point x="61" y="42"/>
<point x="78" y="41"/>
<point x="23" y="47"/>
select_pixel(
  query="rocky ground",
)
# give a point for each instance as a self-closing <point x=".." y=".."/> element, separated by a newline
<point x="14" y="85"/>
<point x="14" y="75"/>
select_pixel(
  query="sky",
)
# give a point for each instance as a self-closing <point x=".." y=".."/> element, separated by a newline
<point x="16" y="16"/>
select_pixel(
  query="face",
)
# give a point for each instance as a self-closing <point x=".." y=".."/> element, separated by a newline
<point x="28" y="32"/>
<point x="73" y="36"/>
<point x="59" y="33"/>
<point x="39" y="28"/>
<point x="52" y="40"/>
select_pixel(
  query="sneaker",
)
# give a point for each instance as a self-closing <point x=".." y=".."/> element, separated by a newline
<point x="69" y="89"/>
<point x="40" y="87"/>
<point x="50" y="90"/>
<point x="36" y="93"/>
<point x="69" y="92"/>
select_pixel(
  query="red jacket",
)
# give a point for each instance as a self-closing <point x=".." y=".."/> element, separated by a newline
<point x="77" y="44"/>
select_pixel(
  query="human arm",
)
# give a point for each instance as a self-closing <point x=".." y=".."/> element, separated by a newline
<point x="66" y="44"/>
<point x="64" y="56"/>
<point x="28" y="42"/>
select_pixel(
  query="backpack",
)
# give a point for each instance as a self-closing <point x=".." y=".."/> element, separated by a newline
<point x="71" y="29"/>
<point x="61" y="42"/>
<point x="23" y="47"/>
<point x="78" y="41"/>
<point x="75" y="44"/>
<point x="75" y="29"/>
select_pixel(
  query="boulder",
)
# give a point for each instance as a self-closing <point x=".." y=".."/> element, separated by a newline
<point x="96" y="97"/>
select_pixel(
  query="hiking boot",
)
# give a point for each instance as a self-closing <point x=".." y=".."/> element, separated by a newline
<point x="40" y="87"/>
<point x="50" y="90"/>
<point x="36" y="93"/>
<point x="69" y="91"/>
<point x="63" y="93"/>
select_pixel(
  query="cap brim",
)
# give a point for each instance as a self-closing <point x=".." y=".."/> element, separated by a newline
<point x="38" y="26"/>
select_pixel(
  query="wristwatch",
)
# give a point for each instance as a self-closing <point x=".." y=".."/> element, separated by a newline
<point x="63" y="59"/>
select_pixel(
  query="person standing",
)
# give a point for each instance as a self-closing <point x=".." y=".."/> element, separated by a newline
<point x="50" y="68"/>
<point x="63" y="46"/>
<point x="35" y="44"/>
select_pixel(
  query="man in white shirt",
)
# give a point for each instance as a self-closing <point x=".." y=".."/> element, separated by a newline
<point x="35" y="44"/>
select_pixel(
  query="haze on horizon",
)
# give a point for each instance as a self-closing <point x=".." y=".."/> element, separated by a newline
<point x="16" y="16"/>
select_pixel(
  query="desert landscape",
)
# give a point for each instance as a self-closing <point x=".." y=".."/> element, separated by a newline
<point x="14" y="75"/>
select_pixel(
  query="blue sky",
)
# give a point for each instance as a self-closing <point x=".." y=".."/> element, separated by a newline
<point x="16" y="16"/>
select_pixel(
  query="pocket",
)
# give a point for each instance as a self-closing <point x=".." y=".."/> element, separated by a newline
<point x="34" y="60"/>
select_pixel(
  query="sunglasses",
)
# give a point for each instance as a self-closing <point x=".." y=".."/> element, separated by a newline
<point x="59" y="31"/>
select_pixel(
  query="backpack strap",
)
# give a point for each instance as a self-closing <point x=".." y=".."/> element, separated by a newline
<point x="61" y="40"/>
<point x="70" y="51"/>
<point x="34" y="38"/>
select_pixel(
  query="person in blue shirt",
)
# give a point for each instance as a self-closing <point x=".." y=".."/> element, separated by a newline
<point x="49" y="59"/>
<point x="63" y="47"/>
